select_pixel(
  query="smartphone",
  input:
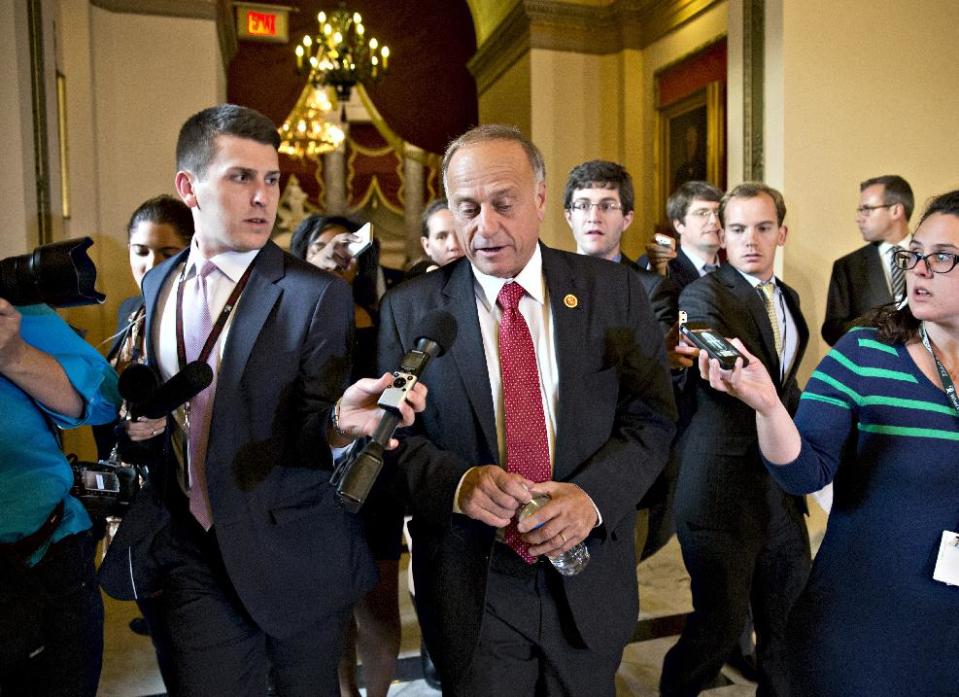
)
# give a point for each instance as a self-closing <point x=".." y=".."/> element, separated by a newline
<point x="664" y="241"/>
<point x="364" y="239"/>
<point x="710" y="341"/>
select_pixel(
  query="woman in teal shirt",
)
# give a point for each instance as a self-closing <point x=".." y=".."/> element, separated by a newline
<point x="48" y="594"/>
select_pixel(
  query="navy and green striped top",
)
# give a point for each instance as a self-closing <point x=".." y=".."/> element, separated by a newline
<point x="888" y="439"/>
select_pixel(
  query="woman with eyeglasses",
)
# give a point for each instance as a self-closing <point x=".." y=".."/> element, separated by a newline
<point x="880" y="419"/>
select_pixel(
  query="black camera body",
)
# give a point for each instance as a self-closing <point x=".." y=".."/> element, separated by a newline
<point x="105" y="488"/>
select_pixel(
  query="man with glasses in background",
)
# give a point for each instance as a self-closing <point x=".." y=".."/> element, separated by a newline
<point x="599" y="208"/>
<point x="868" y="277"/>
<point x="693" y="210"/>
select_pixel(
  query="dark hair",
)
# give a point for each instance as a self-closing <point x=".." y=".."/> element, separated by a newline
<point x="895" y="190"/>
<point x="164" y="210"/>
<point x="899" y="325"/>
<point x="496" y="131"/>
<point x="196" y="145"/>
<point x="602" y="174"/>
<point x="367" y="263"/>
<point x="434" y="206"/>
<point x="679" y="202"/>
<point x="752" y="190"/>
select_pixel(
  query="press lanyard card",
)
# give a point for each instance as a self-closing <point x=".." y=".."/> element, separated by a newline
<point x="947" y="564"/>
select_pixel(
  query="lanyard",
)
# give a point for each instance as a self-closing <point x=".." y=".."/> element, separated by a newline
<point x="947" y="383"/>
<point x="218" y="326"/>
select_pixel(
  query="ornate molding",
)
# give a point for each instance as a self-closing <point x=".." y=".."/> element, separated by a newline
<point x="564" y="26"/>
<point x="754" y="35"/>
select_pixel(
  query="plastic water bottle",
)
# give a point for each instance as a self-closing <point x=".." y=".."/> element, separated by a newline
<point x="570" y="562"/>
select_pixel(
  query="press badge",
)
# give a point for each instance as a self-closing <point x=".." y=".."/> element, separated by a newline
<point x="947" y="564"/>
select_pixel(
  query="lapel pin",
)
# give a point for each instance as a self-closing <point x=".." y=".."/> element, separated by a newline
<point x="570" y="301"/>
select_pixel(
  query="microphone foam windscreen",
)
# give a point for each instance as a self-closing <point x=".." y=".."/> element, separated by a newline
<point x="440" y="327"/>
<point x="137" y="383"/>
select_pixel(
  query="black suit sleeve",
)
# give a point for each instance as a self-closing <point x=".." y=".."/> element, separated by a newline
<point x="623" y="468"/>
<point x="839" y="311"/>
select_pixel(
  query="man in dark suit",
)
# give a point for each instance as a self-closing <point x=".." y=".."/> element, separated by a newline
<point x="599" y="202"/>
<point x="693" y="210"/>
<point x="255" y="565"/>
<point x="497" y="617"/>
<point x="865" y="278"/>
<point x="743" y="539"/>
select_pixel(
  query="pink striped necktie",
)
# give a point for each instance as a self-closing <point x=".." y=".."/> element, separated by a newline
<point x="197" y="326"/>
<point x="527" y="448"/>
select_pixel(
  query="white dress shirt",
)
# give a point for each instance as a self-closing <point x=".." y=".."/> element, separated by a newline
<point x="787" y="325"/>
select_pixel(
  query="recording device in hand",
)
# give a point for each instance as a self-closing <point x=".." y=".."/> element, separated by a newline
<point x="59" y="274"/>
<point x="355" y="477"/>
<point x="710" y="341"/>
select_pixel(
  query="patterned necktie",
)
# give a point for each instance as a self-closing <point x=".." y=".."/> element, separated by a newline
<point x="197" y="326"/>
<point x="527" y="449"/>
<point x="898" y="277"/>
<point x="709" y="268"/>
<point x="769" y="300"/>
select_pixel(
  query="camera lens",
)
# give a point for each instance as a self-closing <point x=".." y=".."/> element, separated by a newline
<point x="399" y="382"/>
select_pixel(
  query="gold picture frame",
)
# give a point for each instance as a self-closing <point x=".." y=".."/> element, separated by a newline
<point x="692" y="142"/>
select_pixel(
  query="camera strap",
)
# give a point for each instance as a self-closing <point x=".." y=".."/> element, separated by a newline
<point x="218" y="326"/>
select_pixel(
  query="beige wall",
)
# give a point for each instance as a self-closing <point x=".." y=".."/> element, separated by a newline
<point x="868" y="88"/>
<point x="132" y="81"/>
<point x="507" y="100"/>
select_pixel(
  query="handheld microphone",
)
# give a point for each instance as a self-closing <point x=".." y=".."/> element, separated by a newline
<point x="161" y="400"/>
<point x="436" y="332"/>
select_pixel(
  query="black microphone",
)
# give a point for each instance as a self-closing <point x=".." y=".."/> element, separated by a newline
<point x="163" y="399"/>
<point x="138" y="383"/>
<point x="436" y="332"/>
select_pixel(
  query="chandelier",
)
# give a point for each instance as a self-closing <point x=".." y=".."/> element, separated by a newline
<point x="340" y="55"/>
<point x="310" y="130"/>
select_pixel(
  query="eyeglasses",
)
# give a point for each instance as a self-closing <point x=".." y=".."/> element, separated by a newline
<point x="604" y="206"/>
<point x="867" y="210"/>
<point x="937" y="262"/>
<point x="705" y="213"/>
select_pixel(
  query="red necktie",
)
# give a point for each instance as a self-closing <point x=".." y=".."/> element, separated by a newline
<point x="198" y="324"/>
<point x="527" y="449"/>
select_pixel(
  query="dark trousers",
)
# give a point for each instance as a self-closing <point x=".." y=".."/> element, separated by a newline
<point x="528" y="643"/>
<point x="51" y="623"/>
<point x="728" y="575"/>
<point x="216" y="647"/>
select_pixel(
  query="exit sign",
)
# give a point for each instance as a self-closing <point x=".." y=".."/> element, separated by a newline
<point x="261" y="22"/>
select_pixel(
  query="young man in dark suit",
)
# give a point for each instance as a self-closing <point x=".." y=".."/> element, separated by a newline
<point x="865" y="278"/>
<point x="693" y="210"/>
<point x="743" y="539"/>
<point x="596" y="426"/>
<point x="254" y="565"/>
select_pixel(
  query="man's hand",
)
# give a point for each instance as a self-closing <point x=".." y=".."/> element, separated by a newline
<point x="492" y="495"/>
<point x="144" y="428"/>
<point x="11" y="343"/>
<point x="681" y="355"/>
<point x="561" y="524"/>
<point x="359" y="414"/>
<point x="659" y="256"/>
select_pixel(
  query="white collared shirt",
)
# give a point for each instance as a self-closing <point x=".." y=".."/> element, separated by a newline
<point x="232" y="266"/>
<point x="885" y="254"/>
<point x="697" y="260"/>
<point x="787" y="325"/>
<point x="535" y="308"/>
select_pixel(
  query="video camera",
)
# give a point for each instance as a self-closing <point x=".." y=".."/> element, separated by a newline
<point x="58" y="274"/>
<point x="106" y="487"/>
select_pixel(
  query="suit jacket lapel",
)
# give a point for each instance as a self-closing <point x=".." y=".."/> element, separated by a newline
<point x="153" y="284"/>
<point x="802" y="329"/>
<point x="467" y="351"/>
<point x="258" y="298"/>
<point x="569" y="341"/>
<point x="875" y="273"/>
<point x="752" y="301"/>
